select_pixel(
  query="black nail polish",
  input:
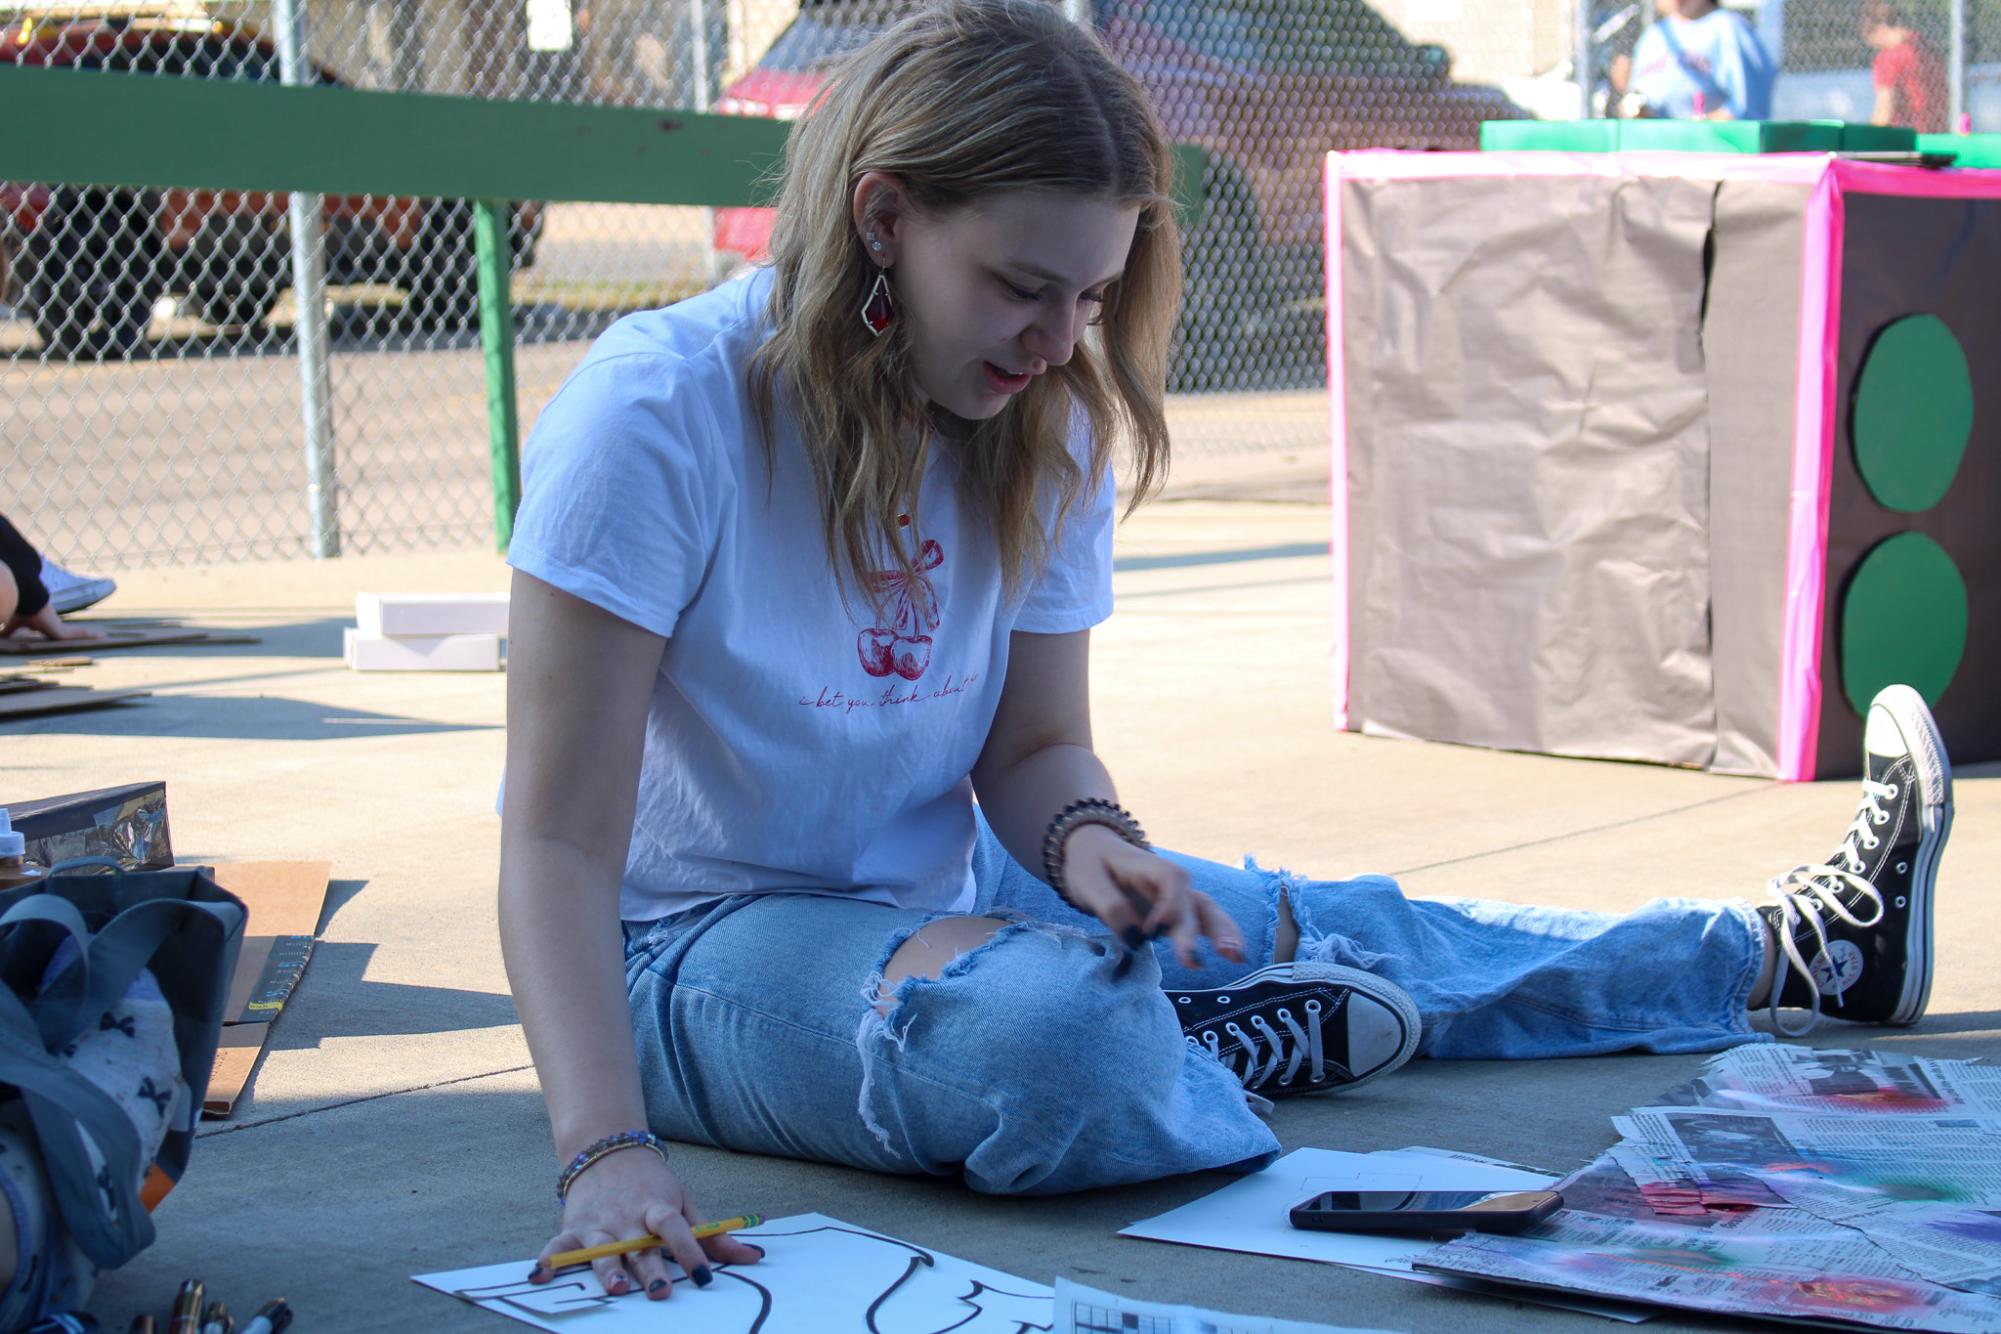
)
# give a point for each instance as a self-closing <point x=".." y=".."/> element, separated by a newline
<point x="1158" y="932"/>
<point x="702" y="1276"/>
<point x="657" y="1285"/>
<point x="758" y="1249"/>
<point x="537" y="1274"/>
<point x="1133" y="938"/>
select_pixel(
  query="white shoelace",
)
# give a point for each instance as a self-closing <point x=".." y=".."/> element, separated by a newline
<point x="1804" y="891"/>
<point x="1260" y="1064"/>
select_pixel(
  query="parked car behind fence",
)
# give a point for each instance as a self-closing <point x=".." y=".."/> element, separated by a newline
<point x="1267" y="87"/>
<point x="87" y="264"/>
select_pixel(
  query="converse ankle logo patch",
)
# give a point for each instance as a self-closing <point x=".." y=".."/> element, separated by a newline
<point x="1838" y="968"/>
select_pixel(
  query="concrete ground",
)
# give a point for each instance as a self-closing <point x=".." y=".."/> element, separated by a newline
<point x="395" y="1126"/>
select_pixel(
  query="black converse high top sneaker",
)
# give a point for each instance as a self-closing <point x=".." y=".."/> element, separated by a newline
<point x="1855" y="935"/>
<point x="1297" y="1028"/>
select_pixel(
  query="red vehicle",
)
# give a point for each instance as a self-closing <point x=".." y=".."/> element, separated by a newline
<point x="1267" y="86"/>
<point x="87" y="264"/>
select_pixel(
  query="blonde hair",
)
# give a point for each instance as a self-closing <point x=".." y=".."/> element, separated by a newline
<point x="961" y="100"/>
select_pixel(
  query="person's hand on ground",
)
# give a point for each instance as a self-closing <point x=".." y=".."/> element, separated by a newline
<point x="631" y="1194"/>
<point x="50" y="626"/>
<point x="1141" y="895"/>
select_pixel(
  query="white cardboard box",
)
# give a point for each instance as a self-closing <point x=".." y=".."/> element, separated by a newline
<point x="402" y="614"/>
<point x="420" y="653"/>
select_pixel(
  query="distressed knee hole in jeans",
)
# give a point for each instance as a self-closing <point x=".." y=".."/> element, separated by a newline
<point x="1315" y="944"/>
<point x="887" y="1018"/>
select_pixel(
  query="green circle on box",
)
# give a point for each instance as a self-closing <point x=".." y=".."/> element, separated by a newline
<point x="1903" y="621"/>
<point x="1913" y="413"/>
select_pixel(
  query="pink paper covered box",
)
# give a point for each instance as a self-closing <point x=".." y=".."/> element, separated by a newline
<point x="1666" y="457"/>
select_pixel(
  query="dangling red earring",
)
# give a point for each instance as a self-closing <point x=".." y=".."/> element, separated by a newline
<point x="879" y="310"/>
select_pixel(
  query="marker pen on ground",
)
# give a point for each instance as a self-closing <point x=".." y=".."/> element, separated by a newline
<point x="187" y="1309"/>
<point x="271" y="1318"/>
<point x="215" y="1320"/>
<point x="142" y="1324"/>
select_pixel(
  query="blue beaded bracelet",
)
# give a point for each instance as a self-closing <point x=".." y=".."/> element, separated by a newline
<point x="610" y="1144"/>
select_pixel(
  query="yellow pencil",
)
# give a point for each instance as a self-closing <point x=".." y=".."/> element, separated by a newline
<point x="564" y="1259"/>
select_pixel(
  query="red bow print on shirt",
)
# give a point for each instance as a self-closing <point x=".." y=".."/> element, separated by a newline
<point x="902" y="646"/>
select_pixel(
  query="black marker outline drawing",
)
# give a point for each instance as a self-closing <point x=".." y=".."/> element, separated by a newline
<point x="551" y="1305"/>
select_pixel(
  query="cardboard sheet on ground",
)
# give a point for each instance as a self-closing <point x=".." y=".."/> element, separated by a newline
<point x="284" y="899"/>
<point x="1252" y="1214"/>
<point x="817" y="1274"/>
<point x="25" y="646"/>
<point x="35" y="703"/>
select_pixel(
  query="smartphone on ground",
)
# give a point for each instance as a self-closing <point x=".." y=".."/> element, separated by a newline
<point x="1425" y="1210"/>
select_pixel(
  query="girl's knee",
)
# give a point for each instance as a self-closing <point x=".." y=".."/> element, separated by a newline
<point x="933" y="947"/>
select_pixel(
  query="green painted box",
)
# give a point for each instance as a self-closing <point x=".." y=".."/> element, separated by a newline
<point x="1694" y="136"/>
<point x="1968" y="150"/>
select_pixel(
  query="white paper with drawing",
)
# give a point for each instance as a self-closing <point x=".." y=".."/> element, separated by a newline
<point x="817" y="1274"/>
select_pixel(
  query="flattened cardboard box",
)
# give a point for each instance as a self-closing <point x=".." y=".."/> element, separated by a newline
<point x="285" y="900"/>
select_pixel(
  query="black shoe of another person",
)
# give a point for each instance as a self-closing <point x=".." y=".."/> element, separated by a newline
<point x="1855" y="935"/>
<point x="1298" y="1028"/>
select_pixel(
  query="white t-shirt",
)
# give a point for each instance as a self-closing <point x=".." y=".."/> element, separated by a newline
<point x="791" y="743"/>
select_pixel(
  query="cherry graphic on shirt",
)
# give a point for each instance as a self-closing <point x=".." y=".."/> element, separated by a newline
<point x="876" y="651"/>
<point x="901" y="647"/>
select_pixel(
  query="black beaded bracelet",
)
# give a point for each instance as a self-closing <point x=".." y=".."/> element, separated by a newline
<point x="610" y="1144"/>
<point x="1091" y="810"/>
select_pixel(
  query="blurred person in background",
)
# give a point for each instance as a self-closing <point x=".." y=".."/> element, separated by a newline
<point x="1700" y="62"/>
<point x="1908" y="74"/>
<point x="29" y="586"/>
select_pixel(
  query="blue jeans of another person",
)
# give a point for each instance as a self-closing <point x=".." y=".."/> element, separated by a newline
<point x="1048" y="1060"/>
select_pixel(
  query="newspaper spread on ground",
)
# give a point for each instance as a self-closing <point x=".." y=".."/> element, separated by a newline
<point x="1085" y="1310"/>
<point x="1852" y="1187"/>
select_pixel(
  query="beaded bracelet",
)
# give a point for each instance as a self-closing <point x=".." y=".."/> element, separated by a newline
<point x="1091" y="810"/>
<point x="610" y="1144"/>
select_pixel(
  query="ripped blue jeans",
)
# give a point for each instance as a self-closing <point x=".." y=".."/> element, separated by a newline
<point x="1047" y="1060"/>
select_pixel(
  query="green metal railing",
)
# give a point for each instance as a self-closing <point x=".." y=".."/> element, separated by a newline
<point x="78" y="127"/>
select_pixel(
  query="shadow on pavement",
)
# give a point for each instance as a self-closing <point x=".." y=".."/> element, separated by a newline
<point x="1123" y="563"/>
<point x="319" y="638"/>
<point x="335" y="1000"/>
<point x="235" y="718"/>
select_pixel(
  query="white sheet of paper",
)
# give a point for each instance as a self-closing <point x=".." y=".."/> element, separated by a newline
<point x="1082" y="1310"/>
<point x="1253" y="1213"/>
<point x="817" y="1274"/>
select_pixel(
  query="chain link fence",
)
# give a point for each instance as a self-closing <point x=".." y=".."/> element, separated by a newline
<point x="149" y="340"/>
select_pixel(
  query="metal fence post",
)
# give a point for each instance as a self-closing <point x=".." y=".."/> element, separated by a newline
<point x="496" y="339"/>
<point x="309" y="290"/>
<point x="1956" y="67"/>
<point x="1581" y="58"/>
<point x="704" y="99"/>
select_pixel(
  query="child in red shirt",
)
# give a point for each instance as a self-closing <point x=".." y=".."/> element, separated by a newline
<point x="1909" y="77"/>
